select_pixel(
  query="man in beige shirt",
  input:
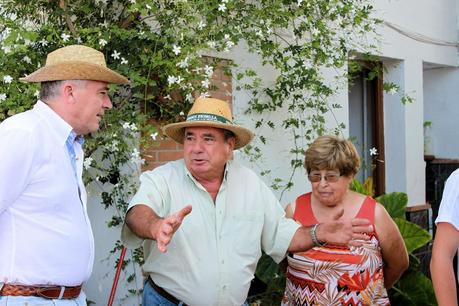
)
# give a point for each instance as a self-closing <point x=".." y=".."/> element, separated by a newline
<point x="208" y="256"/>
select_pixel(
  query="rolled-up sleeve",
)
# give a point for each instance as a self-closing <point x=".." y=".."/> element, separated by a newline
<point x="278" y="230"/>
<point x="449" y="206"/>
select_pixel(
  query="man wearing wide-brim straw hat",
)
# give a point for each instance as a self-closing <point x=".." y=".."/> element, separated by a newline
<point x="46" y="241"/>
<point x="208" y="256"/>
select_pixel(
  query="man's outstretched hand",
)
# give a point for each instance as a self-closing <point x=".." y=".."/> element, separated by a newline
<point x="164" y="229"/>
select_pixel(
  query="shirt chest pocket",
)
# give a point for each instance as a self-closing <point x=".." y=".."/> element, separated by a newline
<point x="247" y="230"/>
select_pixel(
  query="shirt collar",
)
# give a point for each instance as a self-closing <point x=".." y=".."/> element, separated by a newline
<point x="59" y="126"/>
<point x="225" y="174"/>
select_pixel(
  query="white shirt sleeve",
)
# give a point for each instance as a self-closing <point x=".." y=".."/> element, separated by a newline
<point x="449" y="206"/>
<point x="16" y="162"/>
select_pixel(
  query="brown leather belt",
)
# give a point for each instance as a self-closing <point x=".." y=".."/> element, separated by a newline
<point x="164" y="293"/>
<point x="47" y="292"/>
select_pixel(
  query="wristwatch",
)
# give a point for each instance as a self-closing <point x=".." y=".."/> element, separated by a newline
<point x="315" y="241"/>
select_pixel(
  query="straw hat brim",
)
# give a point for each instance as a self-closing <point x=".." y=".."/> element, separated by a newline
<point x="75" y="70"/>
<point x="176" y="131"/>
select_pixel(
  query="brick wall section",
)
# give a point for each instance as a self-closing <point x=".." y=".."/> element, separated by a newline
<point x="165" y="149"/>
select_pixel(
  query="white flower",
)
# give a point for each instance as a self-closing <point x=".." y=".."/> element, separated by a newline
<point x="43" y="42"/>
<point x="259" y="33"/>
<point x="135" y="153"/>
<point x="36" y="93"/>
<point x="183" y="63"/>
<point x="201" y="25"/>
<point x="126" y="125"/>
<point x="212" y="44"/>
<point x="87" y="163"/>
<point x="222" y="7"/>
<point x="189" y="98"/>
<point x="224" y="1"/>
<point x="102" y="42"/>
<point x="27" y="42"/>
<point x="148" y="7"/>
<point x="124" y="61"/>
<point x="79" y="41"/>
<point x="315" y="31"/>
<point x="168" y="97"/>
<point x="209" y="70"/>
<point x="393" y="90"/>
<point x="299" y="2"/>
<point x="205" y="83"/>
<point x="27" y="59"/>
<point x="2" y="97"/>
<point x="104" y="24"/>
<point x="182" y="113"/>
<point x="73" y="18"/>
<point x="65" y="37"/>
<point x="171" y="79"/>
<point x="179" y="79"/>
<point x="373" y="151"/>
<point x="176" y="49"/>
<point x="154" y="135"/>
<point x="7" y="79"/>
<point x="116" y="54"/>
<point x="229" y="44"/>
<point x="132" y="1"/>
<point x="6" y="49"/>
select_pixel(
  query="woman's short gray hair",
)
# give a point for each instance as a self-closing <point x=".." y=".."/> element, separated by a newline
<point x="330" y="152"/>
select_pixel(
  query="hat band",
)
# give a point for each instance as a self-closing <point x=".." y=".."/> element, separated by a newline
<point x="208" y="117"/>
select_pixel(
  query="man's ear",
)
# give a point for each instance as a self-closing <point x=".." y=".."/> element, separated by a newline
<point x="68" y="91"/>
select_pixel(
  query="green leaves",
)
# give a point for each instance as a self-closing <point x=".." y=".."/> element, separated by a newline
<point x="395" y="203"/>
<point x="413" y="235"/>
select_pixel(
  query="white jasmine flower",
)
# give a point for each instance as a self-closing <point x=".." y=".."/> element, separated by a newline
<point x="168" y="97"/>
<point x="87" y="163"/>
<point x="7" y="79"/>
<point x="124" y="61"/>
<point x="65" y="37"/>
<point x="6" y="49"/>
<point x="27" y="42"/>
<point x="154" y="135"/>
<point x="104" y="24"/>
<point x="126" y="125"/>
<point x="27" y="59"/>
<point x="205" y="83"/>
<point x="315" y="31"/>
<point x="176" y="49"/>
<point x="373" y="151"/>
<point x="212" y="44"/>
<point x="179" y="79"/>
<point x="227" y="36"/>
<point x="259" y="33"/>
<point x="393" y="90"/>
<point x="171" y="79"/>
<point x="43" y="42"/>
<point x="2" y="97"/>
<point x="79" y="41"/>
<point x="73" y="18"/>
<point x="132" y="1"/>
<point x="36" y="93"/>
<point x="102" y="42"/>
<point x="183" y="63"/>
<point x="209" y="70"/>
<point x="299" y="2"/>
<point x="116" y="54"/>
<point x="135" y="153"/>
<point x="201" y="25"/>
<point x="182" y="113"/>
<point x="222" y="7"/>
<point x="229" y="44"/>
<point x="189" y="98"/>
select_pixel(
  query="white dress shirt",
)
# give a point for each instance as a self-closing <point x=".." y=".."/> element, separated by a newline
<point x="45" y="234"/>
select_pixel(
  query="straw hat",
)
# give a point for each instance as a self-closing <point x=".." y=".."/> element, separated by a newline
<point x="75" y="62"/>
<point x="209" y="112"/>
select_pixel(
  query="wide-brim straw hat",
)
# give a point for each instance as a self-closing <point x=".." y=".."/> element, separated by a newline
<point x="209" y="112"/>
<point x="75" y="62"/>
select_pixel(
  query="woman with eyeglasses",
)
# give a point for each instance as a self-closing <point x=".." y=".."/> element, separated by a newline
<point x="341" y="274"/>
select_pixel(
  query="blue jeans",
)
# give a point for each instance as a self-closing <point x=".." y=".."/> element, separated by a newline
<point x="39" y="301"/>
<point x="153" y="298"/>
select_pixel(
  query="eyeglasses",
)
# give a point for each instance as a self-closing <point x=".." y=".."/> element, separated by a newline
<point x="329" y="177"/>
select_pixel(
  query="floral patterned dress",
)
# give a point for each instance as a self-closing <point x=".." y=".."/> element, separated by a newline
<point x="332" y="274"/>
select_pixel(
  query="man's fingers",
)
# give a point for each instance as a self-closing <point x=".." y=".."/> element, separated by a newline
<point x="338" y="215"/>
<point x="360" y="221"/>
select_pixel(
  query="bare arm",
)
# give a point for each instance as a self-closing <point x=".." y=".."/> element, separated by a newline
<point x="394" y="253"/>
<point x="441" y="265"/>
<point x="335" y="232"/>
<point x="145" y="223"/>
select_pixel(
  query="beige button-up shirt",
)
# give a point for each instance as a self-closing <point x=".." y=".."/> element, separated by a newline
<point x="213" y="255"/>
